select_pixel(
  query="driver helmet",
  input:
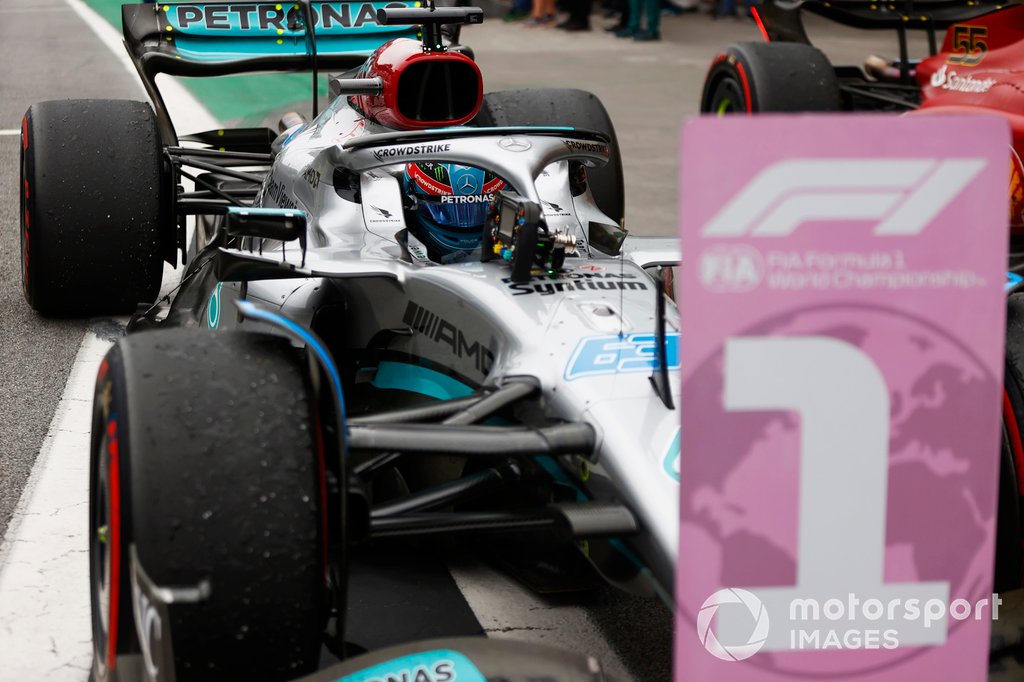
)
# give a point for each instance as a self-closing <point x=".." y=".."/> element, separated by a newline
<point x="451" y="206"/>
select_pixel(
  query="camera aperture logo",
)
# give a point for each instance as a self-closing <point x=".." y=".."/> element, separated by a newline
<point x="835" y="623"/>
<point x="758" y="616"/>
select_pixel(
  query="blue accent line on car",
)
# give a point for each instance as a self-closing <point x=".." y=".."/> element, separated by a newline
<point x="438" y="664"/>
<point x="671" y="462"/>
<point x="1012" y="280"/>
<point x="250" y="311"/>
<point x="415" y="379"/>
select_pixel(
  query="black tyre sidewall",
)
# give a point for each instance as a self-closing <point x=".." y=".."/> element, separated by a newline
<point x="779" y="77"/>
<point x="97" y="206"/>
<point x="109" y="408"/>
<point x="1009" y="532"/>
<point x="225" y="487"/>
<point x="564" y="107"/>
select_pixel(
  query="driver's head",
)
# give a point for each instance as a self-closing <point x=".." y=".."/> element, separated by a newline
<point x="452" y="205"/>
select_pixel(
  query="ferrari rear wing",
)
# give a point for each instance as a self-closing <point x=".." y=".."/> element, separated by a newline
<point x="781" y="19"/>
<point x="219" y="38"/>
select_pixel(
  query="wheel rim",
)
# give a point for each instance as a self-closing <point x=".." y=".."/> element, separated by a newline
<point x="728" y="97"/>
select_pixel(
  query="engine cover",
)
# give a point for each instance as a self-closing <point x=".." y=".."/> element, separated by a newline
<point x="420" y="89"/>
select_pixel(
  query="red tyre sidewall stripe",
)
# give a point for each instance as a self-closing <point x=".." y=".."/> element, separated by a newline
<point x="715" y="62"/>
<point x="746" y="87"/>
<point x="1016" y="446"/>
<point x="114" y="540"/>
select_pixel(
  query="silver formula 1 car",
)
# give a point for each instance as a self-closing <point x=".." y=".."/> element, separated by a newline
<point x="330" y="375"/>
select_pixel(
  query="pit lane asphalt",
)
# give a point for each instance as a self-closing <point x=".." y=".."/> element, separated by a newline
<point x="47" y="53"/>
<point x="648" y="88"/>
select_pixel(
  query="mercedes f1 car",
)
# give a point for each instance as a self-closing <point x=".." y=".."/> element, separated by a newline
<point x="324" y="377"/>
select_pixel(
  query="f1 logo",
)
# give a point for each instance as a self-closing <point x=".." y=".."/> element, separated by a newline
<point x="903" y="195"/>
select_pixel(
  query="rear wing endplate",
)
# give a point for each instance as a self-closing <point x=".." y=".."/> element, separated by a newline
<point x="222" y="38"/>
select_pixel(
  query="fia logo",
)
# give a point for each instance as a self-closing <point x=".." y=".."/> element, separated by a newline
<point x="731" y="268"/>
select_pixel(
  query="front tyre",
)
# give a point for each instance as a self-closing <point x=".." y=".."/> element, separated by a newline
<point x="205" y="461"/>
<point x="94" y="217"/>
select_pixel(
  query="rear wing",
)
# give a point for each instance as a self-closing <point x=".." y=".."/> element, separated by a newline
<point x="781" y="20"/>
<point x="221" y="38"/>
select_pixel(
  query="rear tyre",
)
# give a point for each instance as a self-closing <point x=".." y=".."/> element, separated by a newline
<point x="760" y="77"/>
<point x="94" y="207"/>
<point x="576" y="108"/>
<point x="204" y="458"/>
<point x="1009" y="570"/>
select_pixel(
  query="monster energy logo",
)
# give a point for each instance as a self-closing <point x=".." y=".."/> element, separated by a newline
<point x="439" y="172"/>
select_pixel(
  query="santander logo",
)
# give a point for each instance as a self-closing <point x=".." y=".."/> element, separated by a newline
<point x="947" y="79"/>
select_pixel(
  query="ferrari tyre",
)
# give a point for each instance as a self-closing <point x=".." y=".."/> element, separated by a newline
<point x="205" y="465"/>
<point x="94" y="207"/>
<point x="763" y="77"/>
<point x="576" y="108"/>
<point x="1009" y="569"/>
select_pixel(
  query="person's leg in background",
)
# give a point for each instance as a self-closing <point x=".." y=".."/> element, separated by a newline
<point x="579" y="16"/>
<point x="623" y="22"/>
<point x="653" y="32"/>
<point x="633" y="21"/>
<point x="543" y="14"/>
<point x="520" y="10"/>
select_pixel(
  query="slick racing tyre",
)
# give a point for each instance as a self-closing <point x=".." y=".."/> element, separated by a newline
<point x="759" y="77"/>
<point x="205" y="466"/>
<point x="1009" y="532"/>
<point x="94" y="207"/>
<point x="576" y="108"/>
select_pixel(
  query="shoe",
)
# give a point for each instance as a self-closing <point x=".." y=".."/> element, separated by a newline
<point x="564" y="24"/>
<point x="537" y="22"/>
<point x="574" y="26"/>
<point x="514" y="15"/>
<point x="646" y="36"/>
<point x="615" y="28"/>
<point x="625" y="32"/>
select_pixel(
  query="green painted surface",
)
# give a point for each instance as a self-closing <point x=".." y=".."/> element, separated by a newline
<point x="244" y="100"/>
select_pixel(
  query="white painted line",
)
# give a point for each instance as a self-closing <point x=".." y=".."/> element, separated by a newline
<point x="10" y="131"/>
<point x="44" y="572"/>
<point x="44" y="560"/>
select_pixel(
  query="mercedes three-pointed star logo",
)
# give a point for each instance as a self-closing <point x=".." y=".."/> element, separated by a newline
<point x="514" y="144"/>
<point x="467" y="185"/>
